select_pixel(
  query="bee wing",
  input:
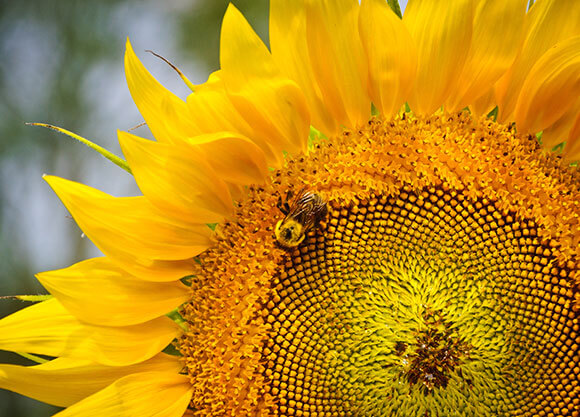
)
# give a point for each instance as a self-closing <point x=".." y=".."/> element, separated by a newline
<point x="301" y="197"/>
<point x="310" y="211"/>
<point x="300" y="212"/>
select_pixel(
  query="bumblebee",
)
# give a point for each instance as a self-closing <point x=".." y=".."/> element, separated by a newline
<point x="303" y="214"/>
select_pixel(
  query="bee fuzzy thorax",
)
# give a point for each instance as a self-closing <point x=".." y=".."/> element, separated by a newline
<point x="289" y="233"/>
<point x="305" y="212"/>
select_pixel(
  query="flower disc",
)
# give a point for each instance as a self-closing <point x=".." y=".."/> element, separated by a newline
<point x="428" y="290"/>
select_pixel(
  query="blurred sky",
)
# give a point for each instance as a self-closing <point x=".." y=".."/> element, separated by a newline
<point x="62" y="63"/>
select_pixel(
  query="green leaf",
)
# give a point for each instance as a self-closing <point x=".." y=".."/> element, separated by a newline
<point x="176" y="317"/>
<point x="559" y="147"/>
<point x="394" y="5"/>
<point x="314" y="136"/>
<point x="171" y="349"/>
<point x="493" y="114"/>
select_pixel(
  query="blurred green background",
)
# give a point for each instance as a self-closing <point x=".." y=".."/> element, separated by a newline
<point x="62" y="63"/>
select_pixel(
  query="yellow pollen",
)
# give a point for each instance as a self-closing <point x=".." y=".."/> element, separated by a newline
<point x="444" y="281"/>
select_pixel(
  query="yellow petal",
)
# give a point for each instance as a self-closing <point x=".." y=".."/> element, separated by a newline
<point x="551" y="88"/>
<point x="156" y="270"/>
<point x="492" y="50"/>
<point x="572" y="148"/>
<point x="442" y="32"/>
<point x="235" y="158"/>
<point x="273" y="105"/>
<point x="289" y="45"/>
<point x="338" y="59"/>
<point x="147" y="394"/>
<point x="97" y="291"/>
<point x="213" y="113"/>
<point x="484" y="104"/>
<point x="563" y="129"/>
<point x="129" y="229"/>
<point x="63" y="382"/>
<point x="547" y="23"/>
<point x="177" y="180"/>
<point x="211" y="110"/>
<point x="165" y="113"/>
<point x="47" y="328"/>
<point x="392" y="61"/>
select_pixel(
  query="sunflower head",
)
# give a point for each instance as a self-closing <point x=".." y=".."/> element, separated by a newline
<point x="418" y="294"/>
<point x="360" y="220"/>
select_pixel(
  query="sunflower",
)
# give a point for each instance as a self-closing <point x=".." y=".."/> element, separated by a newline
<point x="376" y="216"/>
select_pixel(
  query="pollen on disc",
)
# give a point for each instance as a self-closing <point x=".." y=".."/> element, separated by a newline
<point x="443" y="281"/>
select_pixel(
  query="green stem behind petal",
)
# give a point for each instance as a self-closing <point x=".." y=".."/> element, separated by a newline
<point x="107" y="154"/>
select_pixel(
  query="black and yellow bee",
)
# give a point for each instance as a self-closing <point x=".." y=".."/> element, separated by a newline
<point x="303" y="214"/>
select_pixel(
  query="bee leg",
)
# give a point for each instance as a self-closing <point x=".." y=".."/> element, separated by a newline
<point x="283" y="206"/>
<point x="289" y="195"/>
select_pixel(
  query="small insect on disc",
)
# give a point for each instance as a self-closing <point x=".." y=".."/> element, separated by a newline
<point x="302" y="215"/>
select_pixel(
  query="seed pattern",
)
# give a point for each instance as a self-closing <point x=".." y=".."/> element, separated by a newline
<point x="400" y="307"/>
<point x="443" y="282"/>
